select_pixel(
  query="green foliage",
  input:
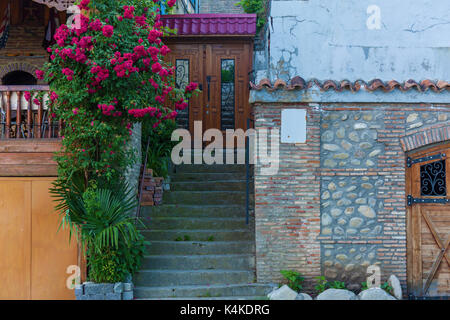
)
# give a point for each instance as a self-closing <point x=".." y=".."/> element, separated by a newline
<point x="255" y="6"/>
<point x="210" y="238"/>
<point x="100" y="219"/>
<point x="364" y="286"/>
<point x="294" y="278"/>
<point x="336" y="285"/>
<point x="160" y="146"/>
<point x="385" y="286"/>
<point x="323" y="284"/>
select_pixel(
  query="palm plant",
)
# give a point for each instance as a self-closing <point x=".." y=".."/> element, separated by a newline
<point x="100" y="219"/>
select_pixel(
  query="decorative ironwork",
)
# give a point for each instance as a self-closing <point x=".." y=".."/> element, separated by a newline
<point x="60" y="5"/>
<point x="412" y="200"/>
<point x="432" y="179"/>
<point x="410" y="162"/>
<point x="181" y="81"/>
<point x="227" y="90"/>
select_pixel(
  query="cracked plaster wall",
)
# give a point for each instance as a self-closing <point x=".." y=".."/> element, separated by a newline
<point x="330" y="40"/>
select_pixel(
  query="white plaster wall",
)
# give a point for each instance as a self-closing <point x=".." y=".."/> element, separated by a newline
<point x="330" y="40"/>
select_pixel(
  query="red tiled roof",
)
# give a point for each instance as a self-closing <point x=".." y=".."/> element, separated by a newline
<point x="298" y="83"/>
<point x="211" y="24"/>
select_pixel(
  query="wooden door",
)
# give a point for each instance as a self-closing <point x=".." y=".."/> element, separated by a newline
<point x="428" y="218"/>
<point x="34" y="256"/>
<point x="222" y="69"/>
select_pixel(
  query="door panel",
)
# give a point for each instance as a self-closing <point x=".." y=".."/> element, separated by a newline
<point x="429" y="223"/>
<point x="223" y="103"/>
<point x="51" y="252"/>
<point x="15" y="239"/>
<point x="34" y="256"/>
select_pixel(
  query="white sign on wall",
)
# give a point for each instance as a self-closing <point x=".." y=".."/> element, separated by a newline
<point x="293" y="126"/>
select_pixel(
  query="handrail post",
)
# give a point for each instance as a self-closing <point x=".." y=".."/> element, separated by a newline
<point x="142" y="180"/>
<point x="247" y="175"/>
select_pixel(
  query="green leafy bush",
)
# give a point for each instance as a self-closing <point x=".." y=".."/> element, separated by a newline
<point x="160" y="147"/>
<point x="323" y="284"/>
<point x="294" y="278"/>
<point x="100" y="219"/>
<point x="255" y="6"/>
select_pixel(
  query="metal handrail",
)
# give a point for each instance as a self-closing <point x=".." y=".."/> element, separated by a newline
<point x="138" y="213"/>
<point x="247" y="174"/>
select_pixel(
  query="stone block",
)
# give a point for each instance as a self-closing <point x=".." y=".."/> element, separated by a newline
<point x="118" y="287"/>
<point x="113" y="296"/>
<point x="98" y="288"/>
<point x="128" y="295"/>
<point x="337" y="294"/>
<point x="283" y="293"/>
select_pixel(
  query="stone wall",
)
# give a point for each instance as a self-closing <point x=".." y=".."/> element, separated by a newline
<point x="353" y="166"/>
<point x="220" y="6"/>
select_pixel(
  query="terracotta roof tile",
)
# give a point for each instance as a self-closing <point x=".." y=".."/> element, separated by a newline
<point x="298" y="83"/>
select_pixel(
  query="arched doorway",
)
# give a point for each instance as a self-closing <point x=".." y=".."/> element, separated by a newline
<point x="428" y="221"/>
<point x="19" y="78"/>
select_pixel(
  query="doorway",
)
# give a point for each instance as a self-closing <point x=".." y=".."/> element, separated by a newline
<point x="428" y="221"/>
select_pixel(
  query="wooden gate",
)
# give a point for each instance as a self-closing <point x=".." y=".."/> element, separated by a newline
<point x="222" y="68"/>
<point x="428" y="218"/>
<point x="33" y="256"/>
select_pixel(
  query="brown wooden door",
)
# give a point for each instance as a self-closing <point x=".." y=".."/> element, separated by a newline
<point x="34" y="256"/>
<point x="429" y="222"/>
<point x="222" y="69"/>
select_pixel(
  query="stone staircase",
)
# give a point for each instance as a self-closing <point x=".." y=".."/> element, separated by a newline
<point x="201" y="247"/>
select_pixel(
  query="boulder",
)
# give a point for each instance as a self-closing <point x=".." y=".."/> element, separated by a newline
<point x="396" y="287"/>
<point x="375" y="294"/>
<point x="303" y="296"/>
<point x="337" y="294"/>
<point x="283" y="293"/>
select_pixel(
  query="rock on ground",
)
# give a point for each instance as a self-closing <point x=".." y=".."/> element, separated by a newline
<point x="303" y="296"/>
<point x="337" y="294"/>
<point x="375" y="294"/>
<point x="395" y="284"/>
<point x="283" y="293"/>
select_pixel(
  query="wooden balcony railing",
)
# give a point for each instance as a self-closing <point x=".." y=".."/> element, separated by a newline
<point x="22" y="119"/>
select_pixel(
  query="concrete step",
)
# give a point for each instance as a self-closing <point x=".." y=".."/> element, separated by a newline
<point x="232" y="185"/>
<point x="157" y="278"/>
<point x="244" y="298"/>
<point x="204" y="197"/>
<point x="177" y="177"/>
<point x="224" y="291"/>
<point x="199" y="262"/>
<point x="200" y="247"/>
<point x="174" y="223"/>
<point x="198" y="235"/>
<point x="182" y="210"/>
<point x="212" y="168"/>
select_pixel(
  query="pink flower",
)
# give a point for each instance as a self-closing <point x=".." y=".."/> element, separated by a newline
<point x="53" y="96"/>
<point x="96" y="25"/>
<point x="27" y="95"/>
<point x="164" y="50"/>
<point x="108" y="31"/>
<point x="191" y="87"/>
<point x="75" y="111"/>
<point x="84" y="4"/>
<point x="171" y="3"/>
<point x="156" y="67"/>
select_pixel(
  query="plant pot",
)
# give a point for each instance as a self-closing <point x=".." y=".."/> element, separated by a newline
<point x="104" y="291"/>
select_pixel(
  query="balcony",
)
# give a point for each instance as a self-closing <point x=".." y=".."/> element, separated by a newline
<point x="22" y="119"/>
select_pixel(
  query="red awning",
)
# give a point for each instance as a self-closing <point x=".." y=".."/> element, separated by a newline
<point x="211" y="24"/>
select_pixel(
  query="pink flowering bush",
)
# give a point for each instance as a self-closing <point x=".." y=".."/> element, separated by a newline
<point x="105" y="76"/>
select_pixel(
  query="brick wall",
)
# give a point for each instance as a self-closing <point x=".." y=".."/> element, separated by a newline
<point x="337" y="204"/>
<point x="220" y="6"/>
<point x="287" y="207"/>
<point x="23" y="50"/>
